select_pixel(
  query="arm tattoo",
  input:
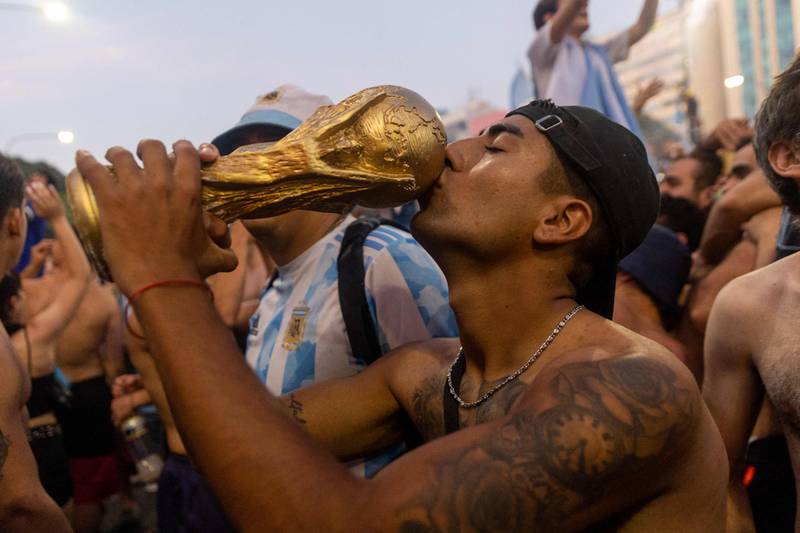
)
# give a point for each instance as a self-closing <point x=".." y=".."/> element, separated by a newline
<point x="297" y="409"/>
<point x="5" y="444"/>
<point x="607" y="420"/>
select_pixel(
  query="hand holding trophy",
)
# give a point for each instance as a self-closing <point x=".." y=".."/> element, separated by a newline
<point x="380" y="147"/>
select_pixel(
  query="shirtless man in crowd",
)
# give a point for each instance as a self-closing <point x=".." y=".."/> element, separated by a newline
<point x="607" y="430"/>
<point x="89" y="353"/>
<point x="752" y="334"/>
<point x="24" y="504"/>
<point x="34" y="334"/>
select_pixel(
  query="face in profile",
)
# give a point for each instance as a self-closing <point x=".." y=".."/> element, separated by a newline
<point x="488" y="197"/>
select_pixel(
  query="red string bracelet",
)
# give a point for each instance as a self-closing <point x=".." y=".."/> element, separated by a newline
<point x="135" y="295"/>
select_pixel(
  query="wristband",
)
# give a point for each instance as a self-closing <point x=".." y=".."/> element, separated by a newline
<point x="135" y="295"/>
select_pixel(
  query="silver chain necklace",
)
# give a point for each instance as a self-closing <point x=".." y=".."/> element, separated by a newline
<point x="511" y="377"/>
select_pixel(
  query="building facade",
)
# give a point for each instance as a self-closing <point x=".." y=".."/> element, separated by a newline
<point x="759" y="39"/>
<point x="721" y="55"/>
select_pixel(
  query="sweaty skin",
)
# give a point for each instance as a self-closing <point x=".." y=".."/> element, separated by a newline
<point x="606" y="431"/>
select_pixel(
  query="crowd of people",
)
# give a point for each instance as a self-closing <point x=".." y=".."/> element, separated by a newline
<point x="562" y="339"/>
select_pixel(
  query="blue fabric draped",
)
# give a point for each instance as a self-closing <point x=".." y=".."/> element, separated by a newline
<point x="598" y="95"/>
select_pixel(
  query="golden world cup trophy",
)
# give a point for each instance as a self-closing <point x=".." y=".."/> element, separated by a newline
<point x="380" y="147"/>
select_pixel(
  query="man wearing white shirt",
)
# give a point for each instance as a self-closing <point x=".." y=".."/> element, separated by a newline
<point x="571" y="70"/>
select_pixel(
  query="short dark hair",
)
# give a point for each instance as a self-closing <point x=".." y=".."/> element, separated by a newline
<point x="10" y="286"/>
<point x="594" y="248"/>
<point x="682" y="216"/>
<point x="778" y="119"/>
<point x="544" y="7"/>
<point x="710" y="168"/>
<point x="12" y="186"/>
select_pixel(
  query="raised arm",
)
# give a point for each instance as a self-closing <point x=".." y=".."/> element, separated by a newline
<point x="46" y="325"/>
<point x="732" y="389"/>
<point x="24" y="505"/>
<point x="731" y="211"/>
<point x="740" y="261"/>
<point x="39" y="253"/>
<point x="561" y="21"/>
<point x="645" y="22"/>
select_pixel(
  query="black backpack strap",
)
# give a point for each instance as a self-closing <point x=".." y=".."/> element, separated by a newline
<point x="352" y="292"/>
<point x="449" y="403"/>
<point x="361" y="331"/>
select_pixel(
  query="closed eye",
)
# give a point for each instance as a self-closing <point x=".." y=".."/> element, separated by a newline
<point x="493" y="149"/>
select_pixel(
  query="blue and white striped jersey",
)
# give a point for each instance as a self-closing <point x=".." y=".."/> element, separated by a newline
<point x="298" y="337"/>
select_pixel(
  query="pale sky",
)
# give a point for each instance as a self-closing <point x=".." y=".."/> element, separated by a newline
<point x="118" y="71"/>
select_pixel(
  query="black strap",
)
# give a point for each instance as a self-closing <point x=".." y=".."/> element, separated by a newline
<point x="449" y="404"/>
<point x="352" y="291"/>
<point x="358" y="321"/>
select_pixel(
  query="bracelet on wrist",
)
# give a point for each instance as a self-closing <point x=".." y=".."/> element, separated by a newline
<point x="135" y="295"/>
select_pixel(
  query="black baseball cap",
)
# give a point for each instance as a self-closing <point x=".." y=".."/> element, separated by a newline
<point x="613" y="162"/>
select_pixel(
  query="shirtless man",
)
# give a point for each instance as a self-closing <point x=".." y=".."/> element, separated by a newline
<point x="24" y="504"/>
<point x="607" y="430"/>
<point x="89" y="353"/>
<point x="34" y="333"/>
<point x="752" y="333"/>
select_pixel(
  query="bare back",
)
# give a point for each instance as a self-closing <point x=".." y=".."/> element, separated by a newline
<point x="88" y="340"/>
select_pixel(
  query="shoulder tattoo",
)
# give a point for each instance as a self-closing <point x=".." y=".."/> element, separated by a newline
<point x="605" y="421"/>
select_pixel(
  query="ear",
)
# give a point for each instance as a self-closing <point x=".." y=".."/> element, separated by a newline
<point x="562" y="220"/>
<point x="706" y="196"/>
<point x="784" y="160"/>
<point x="14" y="221"/>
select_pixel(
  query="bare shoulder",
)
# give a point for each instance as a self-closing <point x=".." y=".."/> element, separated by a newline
<point x="432" y="351"/>
<point x="756" y="293"/>
<point x="633" y="385"/>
